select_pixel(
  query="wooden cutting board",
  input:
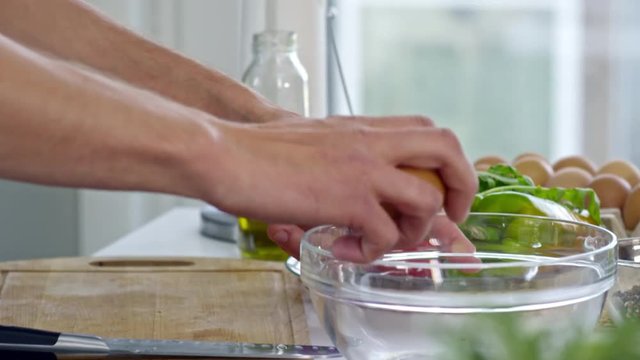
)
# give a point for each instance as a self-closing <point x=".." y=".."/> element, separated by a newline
<point x="185" y="298"/>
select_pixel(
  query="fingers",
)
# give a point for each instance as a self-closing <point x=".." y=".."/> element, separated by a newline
<point x="343" y="173"/>
<point x="378" y="236"/>
<point x="440" y="150"/>
<point x="414" y="203"/>
<point x="450" y="237"/>
<point x="385" y="122"/>
<point x="287" y="237"/>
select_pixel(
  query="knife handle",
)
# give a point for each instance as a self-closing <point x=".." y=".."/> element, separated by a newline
<point x="44" y="345"/>
<point x="19" y="335"/>
<point x="13" y="335"/>
<point x="27" y="355"/>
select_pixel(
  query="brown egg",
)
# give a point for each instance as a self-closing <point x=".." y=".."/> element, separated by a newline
<point x="569" y="177"/>
<point x="482" y="167"/>
<point x="535" y="168"/>
<point x="622" y="168"/>
<point x="612" y="190"/>
<point x="575" y="161"/>
<point x="490" y="160"/>
<point x="429" y="176"/>
<point x="631" y="209"/>
<point x="528" y="155"/>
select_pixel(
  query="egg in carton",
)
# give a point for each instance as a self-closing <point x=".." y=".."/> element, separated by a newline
<point x="612" y="220"/>
<point x="626" y="222"/>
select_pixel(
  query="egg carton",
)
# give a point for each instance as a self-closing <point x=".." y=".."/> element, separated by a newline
<point x="612" y="220"/>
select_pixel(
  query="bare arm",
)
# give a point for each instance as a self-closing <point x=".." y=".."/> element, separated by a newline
<point x="72" y="30"/>
<point x="63" y="125"/>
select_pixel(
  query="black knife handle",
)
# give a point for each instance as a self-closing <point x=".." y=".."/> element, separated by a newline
<point x="26" y="355"/>
<point x="18" y="335"/>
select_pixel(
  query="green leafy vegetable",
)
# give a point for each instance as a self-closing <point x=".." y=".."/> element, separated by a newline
<point x="502" y="338"/>
<point x="499" y="176"/>
<point x="502" y="189"/>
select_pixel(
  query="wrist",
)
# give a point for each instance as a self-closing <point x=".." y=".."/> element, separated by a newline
<point x="207" y="163"/>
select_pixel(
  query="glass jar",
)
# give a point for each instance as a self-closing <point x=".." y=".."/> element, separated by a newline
<point x="277" y="74"/>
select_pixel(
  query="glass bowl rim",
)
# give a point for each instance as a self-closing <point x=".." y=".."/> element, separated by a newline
<point x="543" y="261"/>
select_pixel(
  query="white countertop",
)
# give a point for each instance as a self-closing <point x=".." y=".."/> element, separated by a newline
<point x="177" y="233"/>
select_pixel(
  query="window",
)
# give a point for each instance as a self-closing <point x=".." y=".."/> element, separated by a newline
<point x="509" y="76"/>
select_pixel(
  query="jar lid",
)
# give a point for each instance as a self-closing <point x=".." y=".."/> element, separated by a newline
<point x="218" y="225"/>
<point x="281" y="40"/>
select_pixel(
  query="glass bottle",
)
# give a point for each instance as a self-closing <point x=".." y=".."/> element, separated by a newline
<point x="277" y="74"/>
<point x="276" y="71"/>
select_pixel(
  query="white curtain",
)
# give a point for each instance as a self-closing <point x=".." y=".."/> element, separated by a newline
<point x="218" y="34"/>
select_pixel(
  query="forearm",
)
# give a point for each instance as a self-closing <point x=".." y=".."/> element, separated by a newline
<point x="62" y="125"/>
<point x="71" y="30"/>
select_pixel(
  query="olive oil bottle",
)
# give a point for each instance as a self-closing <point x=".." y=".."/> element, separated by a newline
<point x="277" y="74"/>
<point x="254" y="242"/>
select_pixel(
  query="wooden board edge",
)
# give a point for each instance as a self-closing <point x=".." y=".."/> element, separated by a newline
<point x="297" y="314"/>
<point x="3" y="280"/>
<point x="140" y="264"/>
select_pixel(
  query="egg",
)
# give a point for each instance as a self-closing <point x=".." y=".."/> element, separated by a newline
<point x="489" y="160"/>
<point x="535" y="168"/>
<point x="528" y="155"/>
<point x="569" y="177"/>
<point x="575" y="161"/>
<point x="429" y="176"/>
<point x="631" y="209"/>
<point x="482" y="167"/>
<point x="622" y="168"/>
<point x="612" y="190"/>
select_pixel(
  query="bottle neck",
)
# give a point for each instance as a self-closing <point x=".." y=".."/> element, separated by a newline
<point x="275" y="44"/>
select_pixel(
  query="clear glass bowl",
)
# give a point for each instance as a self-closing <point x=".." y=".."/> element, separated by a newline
<point x="540" y="273"/>
<point x="624" y="300"/>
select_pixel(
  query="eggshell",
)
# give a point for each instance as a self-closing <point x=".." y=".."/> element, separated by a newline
<point x="482" y="167"/>
<point x="429" y="176"/>
<point x="622" y="168"/>
<point x="528" y="155"/>
<point x="575" y="161"/>
<point x="569" y="177"/>
<point x="631" y="209"/>
<point x="537" y="169"/>
<point x="490" y="160"/>
<point x="612" y="190"/>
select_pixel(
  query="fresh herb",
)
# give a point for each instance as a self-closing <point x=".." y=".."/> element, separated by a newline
<point x="499" y="176"/>
<point x="503" y="339"/>
<point x="630" y="301"/>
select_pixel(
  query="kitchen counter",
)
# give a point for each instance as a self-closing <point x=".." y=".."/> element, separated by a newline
<point x="177" y="233"/>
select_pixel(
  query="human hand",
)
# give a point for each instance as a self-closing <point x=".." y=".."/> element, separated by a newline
<point x="443" y="236"/>
<point x="344" y="172"/>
